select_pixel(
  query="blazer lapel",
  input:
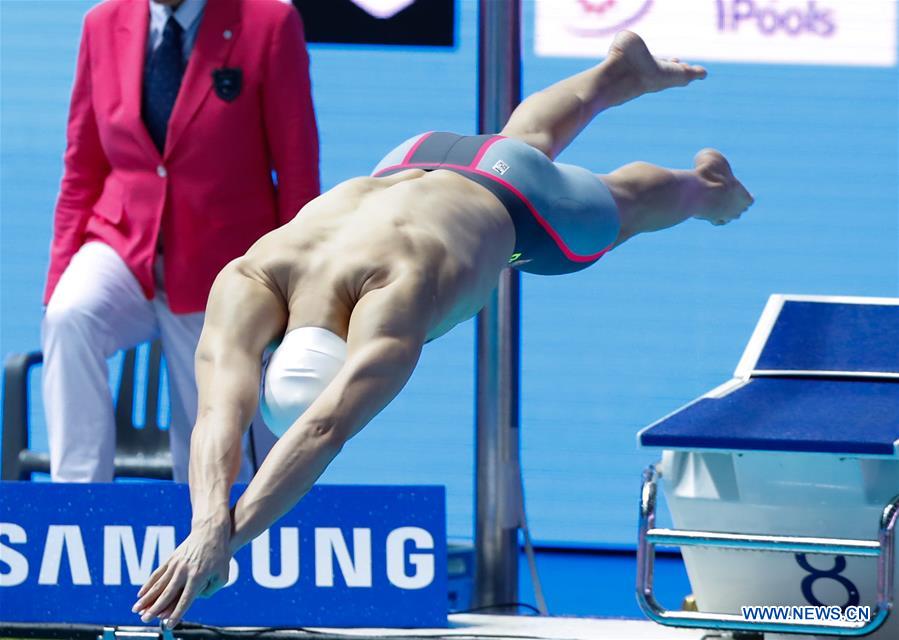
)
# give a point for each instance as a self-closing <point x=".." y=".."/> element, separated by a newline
<point x="131" y="33"/>
<point x="218" y="31"/>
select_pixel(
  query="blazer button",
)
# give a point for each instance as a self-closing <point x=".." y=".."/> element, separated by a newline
<point x="161" y="172"/>
<point x="227" y="34"/>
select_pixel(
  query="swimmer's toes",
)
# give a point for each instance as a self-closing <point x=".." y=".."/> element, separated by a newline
<point x="747" y="197"/>
<point x="696" y="72"/>
<point x="687" y="73"/>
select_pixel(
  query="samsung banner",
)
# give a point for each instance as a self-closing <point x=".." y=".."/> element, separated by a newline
<point x="830" y="32"/>
<point x="345" y="556"/>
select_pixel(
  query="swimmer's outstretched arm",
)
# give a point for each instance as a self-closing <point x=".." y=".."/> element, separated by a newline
<point x="243" y="316"/>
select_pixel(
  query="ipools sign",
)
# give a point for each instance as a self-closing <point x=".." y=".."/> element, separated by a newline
<point x="830" y="32"/>
<point x="345" y="556"/>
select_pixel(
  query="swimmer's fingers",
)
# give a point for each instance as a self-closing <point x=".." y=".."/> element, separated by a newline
<point x="164" y="618"/>
<point x="156" y="575"/>
<point x="153" y="587"/>
<point x="173" y="616"/>
<point x="170" y="593"/>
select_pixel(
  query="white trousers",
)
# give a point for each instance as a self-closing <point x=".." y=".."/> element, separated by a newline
<point x="97" y="309"/>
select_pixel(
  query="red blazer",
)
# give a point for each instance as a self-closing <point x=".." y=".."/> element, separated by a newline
<point x="210" y="195"/>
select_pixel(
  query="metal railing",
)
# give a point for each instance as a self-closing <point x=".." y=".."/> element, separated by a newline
<point x="649" y="537"/>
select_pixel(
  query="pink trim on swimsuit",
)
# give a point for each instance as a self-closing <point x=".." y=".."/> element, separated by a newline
<point x="571" y="255"/>
<point x="483" y="150"/>
<point x="415" y="147"/>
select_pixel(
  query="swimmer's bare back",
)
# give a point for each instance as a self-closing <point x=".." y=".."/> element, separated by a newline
<point x="433" y="241"/>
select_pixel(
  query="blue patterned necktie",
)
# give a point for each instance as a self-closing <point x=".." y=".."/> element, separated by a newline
<point x="161" y="82"/>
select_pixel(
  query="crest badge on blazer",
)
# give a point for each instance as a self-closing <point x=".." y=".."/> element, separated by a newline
<point x="228" y="82"/>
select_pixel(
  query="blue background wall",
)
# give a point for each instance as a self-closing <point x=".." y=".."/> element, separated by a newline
<point x="605" y="352"/>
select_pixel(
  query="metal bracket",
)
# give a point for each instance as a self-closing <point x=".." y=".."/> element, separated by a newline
<point x="136" y="633"/>
<point x="649" y="537"/>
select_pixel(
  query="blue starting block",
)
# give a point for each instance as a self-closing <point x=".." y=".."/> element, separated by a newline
<point x="783" y="483"/>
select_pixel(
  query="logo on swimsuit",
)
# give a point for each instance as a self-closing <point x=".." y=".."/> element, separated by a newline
<point x="500" y="167"/>
<point x="605" y="17"/>
<point x="515" y="257"/>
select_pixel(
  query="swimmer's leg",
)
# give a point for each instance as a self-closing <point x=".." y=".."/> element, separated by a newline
<point x="386" y="333"/>
<point x="651" y="198"/>
<point x="550" y="119"/>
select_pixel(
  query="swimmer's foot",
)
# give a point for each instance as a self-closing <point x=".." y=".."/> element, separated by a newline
<point x="721" y="198"/>
<point x="634" y="71"/>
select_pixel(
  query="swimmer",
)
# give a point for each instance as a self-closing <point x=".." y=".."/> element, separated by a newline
<point x="376" y="267"/>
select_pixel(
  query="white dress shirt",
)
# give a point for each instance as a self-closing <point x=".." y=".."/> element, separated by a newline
<point x="188" y="14"/>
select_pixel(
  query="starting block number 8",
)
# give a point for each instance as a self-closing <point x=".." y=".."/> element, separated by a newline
<point x="834" y="573"/>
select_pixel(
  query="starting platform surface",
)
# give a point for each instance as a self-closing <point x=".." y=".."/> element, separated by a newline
<point x="848" y="417"/>
<point x="825" y="334"/>
<point x="819" y="375"/>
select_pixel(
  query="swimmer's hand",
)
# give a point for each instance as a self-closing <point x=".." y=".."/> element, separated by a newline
<point x="198" y="567"/>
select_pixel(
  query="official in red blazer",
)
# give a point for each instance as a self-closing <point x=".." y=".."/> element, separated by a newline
<point x="180" y="113"/>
